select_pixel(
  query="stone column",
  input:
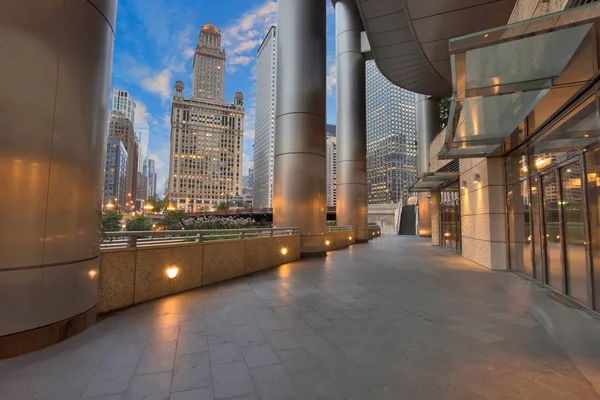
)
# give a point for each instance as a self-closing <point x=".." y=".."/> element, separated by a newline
<point x="55" y="80"/>
<point x="299" y="198"/>
<point x="352" y="190"/>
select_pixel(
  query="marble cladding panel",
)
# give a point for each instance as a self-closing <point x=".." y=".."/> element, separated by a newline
<point x="117" y="276"/>
<point x="340" y="239"/>
<point x="476" y="226"/>
<point x="498" y="256"/>
<point x="151" y="280"/>
<point x="374" y="233"/>
<point x="258" y="254"/>
<point x="291" y="243"/>
<point x="477" y="251"/>
<point x="223" y="260"/>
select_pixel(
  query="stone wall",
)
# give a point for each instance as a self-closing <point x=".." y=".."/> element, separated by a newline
<point x="134" y="275"/>
<point x="340" y="239"/>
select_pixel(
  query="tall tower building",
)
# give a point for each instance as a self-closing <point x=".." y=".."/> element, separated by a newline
<point x="206" y="133"/>
<point x="208" y="81"/>
<point x="115" y="173"/>
<point x="331" y="156"/>
<point x="142" y="134"/>
<point x="120" y="127"/>
<point x="122" y="102"/>
<point x="391" y="139"/>
<point x="151" y="177"/>
<point x="264" y="125"/>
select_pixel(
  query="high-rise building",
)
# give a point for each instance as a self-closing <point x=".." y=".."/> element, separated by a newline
<point x="264" y="125"/>
<point x="141" y="193"/>
<point x="120" y="127"/>
<point x="206" y="133"/>
<point x="251" y="177"/>
<point x="122" y="102"/>
<point x="115" y="173"/>
<point x="151" y="177"/>
<point x="142" y="134"/>
<point x="331" y="157"/>
<point x="391" y="139"/>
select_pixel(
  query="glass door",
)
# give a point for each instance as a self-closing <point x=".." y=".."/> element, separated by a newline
<point x="572" y="206"/>
<point x="555" y="276"/>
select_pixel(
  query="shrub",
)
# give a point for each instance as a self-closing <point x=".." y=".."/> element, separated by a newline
<point x="139" y="223"/>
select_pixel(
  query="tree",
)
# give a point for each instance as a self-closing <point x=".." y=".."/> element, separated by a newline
<point x="139" y="223"/>
<point x="444" y="106"/>
<point x="111" y="221"/>
<point x="157" y="203"/>
<point x="222" y="206"/>
<point x="173" y="220"/>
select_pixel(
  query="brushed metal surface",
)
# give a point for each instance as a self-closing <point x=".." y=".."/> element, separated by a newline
<point x="352" y="190"/>
<point x="299" y="195"/>
<point x="53" y="113"/>
<point x="428" y="127"/>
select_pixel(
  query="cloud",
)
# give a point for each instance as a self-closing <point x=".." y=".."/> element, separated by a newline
<point x="247" y="163"/>
<point x="159" y="83"/>
<point x="239" y="60"/>
<point x="331" y="79"/>
<point x="189" y="53"/>
<point x="142" y="116"/>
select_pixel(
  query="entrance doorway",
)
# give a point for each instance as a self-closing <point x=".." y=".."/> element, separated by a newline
<point x="450" y="228"/>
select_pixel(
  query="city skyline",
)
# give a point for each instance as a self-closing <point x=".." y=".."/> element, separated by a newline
<point x="154" y="46"/>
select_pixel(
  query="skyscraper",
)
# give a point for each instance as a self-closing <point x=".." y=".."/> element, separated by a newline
<point x="331" y="156"/>
<point x="122" y="102"/>
<point x="151" y="177"/>
<point x="115" y="173"/>
<point x="120" y="127"/>
<point x="206" y="133"/>
<point x="266" y="67"/>
<point x="391" y="139"/>
<point x="142" y="134"/>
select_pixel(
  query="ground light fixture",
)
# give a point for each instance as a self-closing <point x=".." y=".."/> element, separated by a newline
<point x="172" y="272"/>
<point x="284" y="250"/>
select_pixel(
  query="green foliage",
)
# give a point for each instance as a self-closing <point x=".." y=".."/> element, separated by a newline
<point x="158" y="203"/>
<point x="173" y="220"/>
<point x="444" y="106"/>
<point x="111" y="221"/>
<point x="331" y="223"/>
<point x="139" y="223"/>
<point x="222" y="206"/>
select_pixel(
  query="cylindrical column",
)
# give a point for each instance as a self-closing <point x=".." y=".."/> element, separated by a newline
<point x="55" y="80"/>
<point x="428" y="126"/>
<point x="352" y="189"/>
<point x="299" y="198"/>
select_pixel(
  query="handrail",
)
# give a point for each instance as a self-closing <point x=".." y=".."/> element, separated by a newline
<point x="133" y="239"/>
<point x="336" y="228"/>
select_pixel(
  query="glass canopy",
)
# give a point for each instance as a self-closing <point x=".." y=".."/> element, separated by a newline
<point x="432" y="180"/>
<point x="500" y="75"/>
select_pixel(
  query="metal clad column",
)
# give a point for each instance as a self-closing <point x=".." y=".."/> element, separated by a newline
<point x="299" y="198"/>
<point x="428" y="126"/>
<point x="352" y="190"/>
<point x="55" y="80"/>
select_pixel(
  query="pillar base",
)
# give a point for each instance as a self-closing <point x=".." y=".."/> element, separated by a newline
<point x="316" y="254"/>
<point x="361" y="241"/>
<point x="38" y="338"/>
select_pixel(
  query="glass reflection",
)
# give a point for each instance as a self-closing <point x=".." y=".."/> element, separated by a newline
<point x="450" y="218"/>
<point x="535" y="221"/>
<point x="593" y="184"/>
<point x="519" y="225"/>
<point x="572" y="211"/>
<point x="554" y="270"/>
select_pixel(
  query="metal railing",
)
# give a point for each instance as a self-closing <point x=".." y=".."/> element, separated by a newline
<point x="119" y="240"/>
<point x="335" y="228"/>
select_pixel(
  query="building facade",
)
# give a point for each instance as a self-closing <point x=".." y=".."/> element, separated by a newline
<point x="206" y="133"/>
<point x="142" y="134"/>
<point x="151" y="177"/>
<point x="121" y="101"/>
<point x="266" y="69"/>
<point x="331" y="171"/>
<point x="120" y="127"/>
<point x="391" y="139"/>
<point x="115" y="173"/>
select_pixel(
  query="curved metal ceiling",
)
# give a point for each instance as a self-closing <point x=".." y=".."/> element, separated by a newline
<point x="409" y="38"/>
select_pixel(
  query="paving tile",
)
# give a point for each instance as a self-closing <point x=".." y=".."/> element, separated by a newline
<point x="315" y="320"/>
<point x="166" y="321"/>
<point x="164" y="335"/>
<point x="476" y="333"/>
<point x="298" y="328"/>
<point x="298" y="360"/>
<point x="124" y="354"/>
<point x="522" y="321"/>
<point x="109" y="381"/>
<point x="225" y="353"/>
<point x="319" y="348"/>
<point x="193" y="326"/>
<point x="269" y="324"/>
<point x="284" y="313"/>
<point x="274" y="383"/>
<point x="192" y="343"/>
<point x="260" y="355"/>
<point x="150" y="387"/>
<point x="241" y="318"/>
<point x="191" y="371"/>
<point x="248" y="335"/>
<point x="197" y="394"/>
<point x="281" y="340"/>
<point x="157" y="357"/>
<point x="231" y="380"/>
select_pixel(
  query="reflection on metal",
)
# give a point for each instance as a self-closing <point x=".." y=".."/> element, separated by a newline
<point x="428" y="126"/>
<point x="352" y="190"/>
<point x="433" y="180"/>
<point x="500" y="75"/>
<point x="299" y="197"/>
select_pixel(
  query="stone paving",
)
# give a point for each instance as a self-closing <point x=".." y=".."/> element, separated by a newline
<point x="392" y="319"/>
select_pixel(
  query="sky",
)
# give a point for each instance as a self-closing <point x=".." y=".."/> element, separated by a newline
<point x="154" y="47"/>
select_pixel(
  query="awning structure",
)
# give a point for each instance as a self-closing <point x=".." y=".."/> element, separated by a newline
<point x="433" y="180"/>
<point x="500" y="75"/>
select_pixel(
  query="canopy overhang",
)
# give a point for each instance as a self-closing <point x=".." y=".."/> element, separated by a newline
<point x="433" y="180"/>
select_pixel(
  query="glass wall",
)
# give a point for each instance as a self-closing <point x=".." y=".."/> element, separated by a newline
<point x="593" y="192"/>
<point x="450" y="229"/>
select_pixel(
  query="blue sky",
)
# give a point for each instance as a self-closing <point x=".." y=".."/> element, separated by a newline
<point x="154" y="47"/>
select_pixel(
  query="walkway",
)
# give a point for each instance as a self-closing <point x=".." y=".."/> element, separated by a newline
<point x="392" y="319"/>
